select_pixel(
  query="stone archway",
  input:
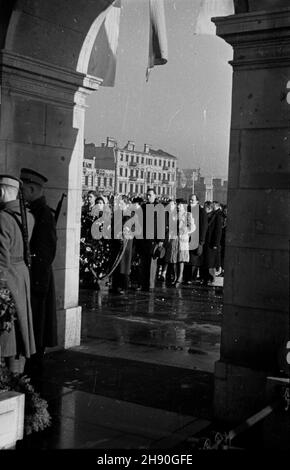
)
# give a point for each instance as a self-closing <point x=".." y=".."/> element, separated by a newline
<point x="44" y="59"/>
<point x="44" y="84"/>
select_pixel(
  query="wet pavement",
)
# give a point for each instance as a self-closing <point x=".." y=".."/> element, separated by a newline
<point x="176" y="327"/>
<point x="142" y="377"/>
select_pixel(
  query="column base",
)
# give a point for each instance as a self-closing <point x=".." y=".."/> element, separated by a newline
<point x="239" y="392"/>
<point x="276" y="427"/>
<point x="69" y="327"/>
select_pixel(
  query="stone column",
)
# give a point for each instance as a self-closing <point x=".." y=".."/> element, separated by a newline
<point x="256" y="293"/>
<point x="42" y="123"/>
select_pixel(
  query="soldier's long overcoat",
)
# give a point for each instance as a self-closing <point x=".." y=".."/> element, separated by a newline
<point x="43" y="249"/>
<point x="20" y="340"/>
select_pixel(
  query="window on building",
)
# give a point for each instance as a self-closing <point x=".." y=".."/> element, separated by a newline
<point x="142" y="160"/>
<point x="159" y="190"/>
<point x="137" y="173"/>
<point x="159" y="176"/>
<point x="120" y="187"/>
<point x="132" y="158"/>
<point x="121" y="171"/>
<point x="136" y="188"/>
<point x="127" y="157"/>
<point x="86" y="180"/>
<point x="142" y="174"/>
<point x="173" y="164"/>
<point x="99" y="181"/>
<point x="160" y="162"/>
<point x="131" y="187"/>
<point x="126" y="172"/>
<point x="105" y="181"/>
<point x="137" y="159"/>
<point x="155" y="162"/>
<point x="141" y="188"/>
<point x="121" y="157"/>
<point x="111" y="182"/>
<point x="131" y="172"/>
<point x="154" y="176"/>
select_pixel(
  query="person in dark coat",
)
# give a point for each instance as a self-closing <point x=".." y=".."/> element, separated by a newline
<point x="223" y="239"/>
<point x="87" y="215"/>
<point x="212" y="243"/>
<point x="17" y="344"/>
<point x="43" y="250"/>
<point x="120" y="277"/>
<point x="196" y="245"/>
<point x="149" y="247"/>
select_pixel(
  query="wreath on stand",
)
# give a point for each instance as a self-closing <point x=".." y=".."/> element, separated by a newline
<point x="98" y="257"/>
<point x="36" y="416"/>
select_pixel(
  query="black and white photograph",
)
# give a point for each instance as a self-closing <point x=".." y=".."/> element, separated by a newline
<point x="144" y="229"/>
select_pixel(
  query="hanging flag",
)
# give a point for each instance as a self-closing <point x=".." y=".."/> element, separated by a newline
<point x="210" y="9"/>
<point x="158" y="49"/>
<point x="103" y="58"/>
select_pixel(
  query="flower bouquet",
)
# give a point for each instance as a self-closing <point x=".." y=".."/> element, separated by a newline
<point x="7" y="308"/>
<point x="37" y="417"/>
<point x="36" y="414"/>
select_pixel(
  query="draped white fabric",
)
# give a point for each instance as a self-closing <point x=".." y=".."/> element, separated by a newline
<point x="209" y="9"/>
<point x="104" y="55"/>
<point x="158" y="48"/>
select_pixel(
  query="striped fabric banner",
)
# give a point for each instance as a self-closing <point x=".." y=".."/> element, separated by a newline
<point x="158" y="49"/>
<point x="209" y="9"/>
<point x="103" y="59"/>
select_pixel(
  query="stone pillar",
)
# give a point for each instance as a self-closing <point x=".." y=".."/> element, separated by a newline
<point x="42" y="122"/>
<point x="256" y="293"/>
<point x="208" y="181"/>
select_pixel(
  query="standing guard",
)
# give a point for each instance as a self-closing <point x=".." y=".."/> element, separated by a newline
<point x="43" y="250"/>
<point x="17" y="344"/>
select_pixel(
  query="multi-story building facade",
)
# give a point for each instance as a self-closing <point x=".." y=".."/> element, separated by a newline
<point x="190" y="181"/>
<point x="98" y="173"/>
<point x="133" y="171"/>
<point x="89" y="174"/>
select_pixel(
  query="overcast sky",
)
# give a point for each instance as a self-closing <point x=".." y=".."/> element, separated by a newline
<point x="185" y="106"/>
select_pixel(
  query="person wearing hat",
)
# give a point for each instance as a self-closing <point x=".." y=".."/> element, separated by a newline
<point x="43" y="250"/>
<point x="17" y="344"/>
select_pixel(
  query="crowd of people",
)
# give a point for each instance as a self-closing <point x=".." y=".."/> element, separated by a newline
<point x="189" y="250"/>
<point x="134" y="243"/>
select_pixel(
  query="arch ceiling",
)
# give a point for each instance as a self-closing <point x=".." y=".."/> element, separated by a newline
<point x="52" y="31"/>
